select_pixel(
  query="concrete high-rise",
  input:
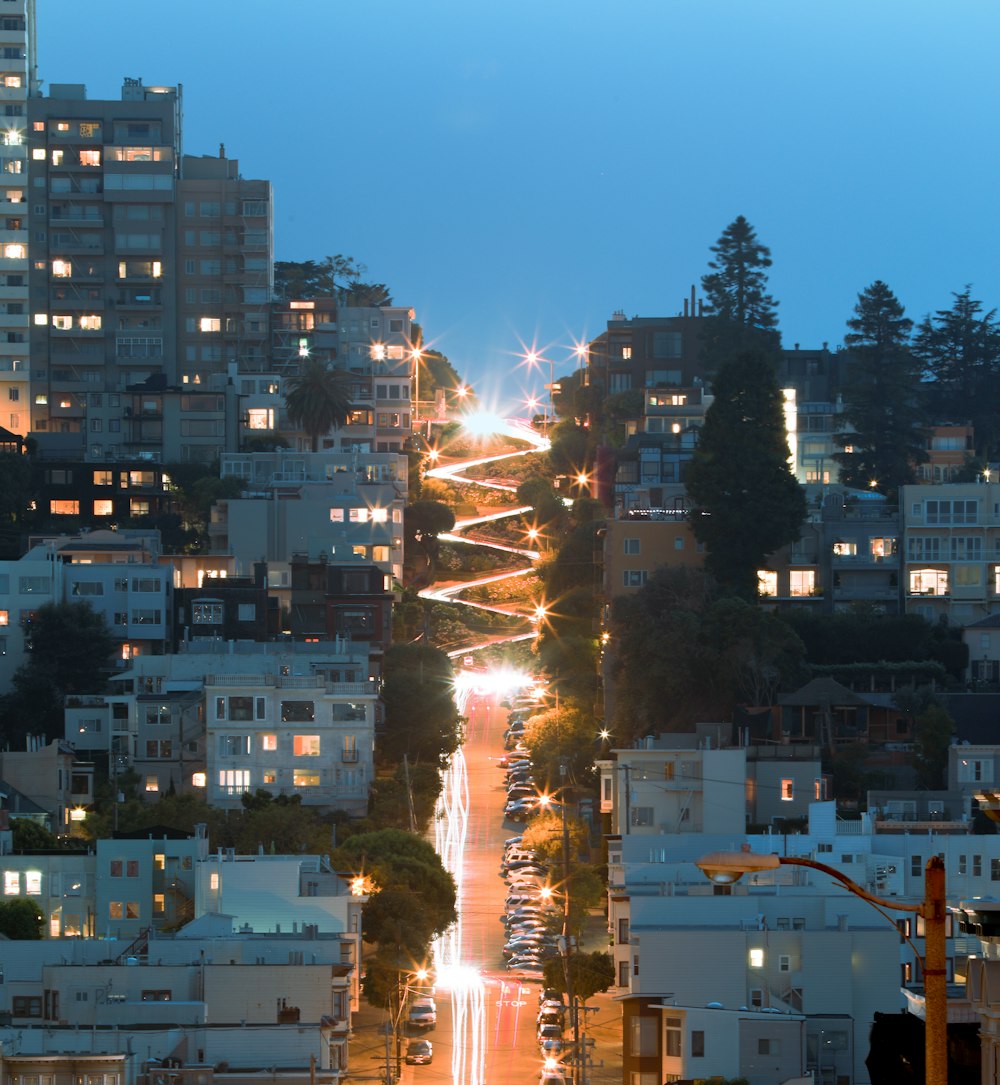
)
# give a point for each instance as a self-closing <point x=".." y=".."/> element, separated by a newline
<point x="16" y="79"/>
<point x="149" y="277"/>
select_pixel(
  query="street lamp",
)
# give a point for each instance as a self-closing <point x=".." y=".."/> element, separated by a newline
<point x="416" y="355"/>
<point x="725" y="868"/>
<point x="533" y="358"/>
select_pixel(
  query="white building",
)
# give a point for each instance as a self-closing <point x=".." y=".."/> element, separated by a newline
<point x="322" y="505"/>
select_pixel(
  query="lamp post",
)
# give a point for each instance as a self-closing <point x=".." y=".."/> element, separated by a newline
<point x="416" y="355"/>
<point x="725" y="868"/>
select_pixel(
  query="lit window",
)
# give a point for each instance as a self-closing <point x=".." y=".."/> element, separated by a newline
<point x="377" y="352"/>
<point x="159" y="903"/>
<point x="41" y="319"/>
<point x="198" y="779"/>
<point x="33" y="883"/>
<point x="787" y="790"/>
<point x="756" y="958"/>
<point x="64" y="508"/>
<point x="928" y="582"/>
<point x="57" y="157"/>
<point x="337" y="516"/>
<point x="104" y="507"/>
<point x="64" y="322"/>
<point x="11" y="883"/>
<point x="270" y="777"/>
<point x="269" y="743"/>
<point x="380" y="516"/>
<point x="767" y="582"/>
<point x="90" y="323"/>
<point x="4" y="617"/>
<point x="213" y="881"/>
<point x="14" y="251"/>
<point x="801" y="582"/>
<point x="157" y="269"/>
<point x="62" y="126"/>
<point x="305" y="779"/>
<point x="845" y="549"/>
<point x="116" y="909"/>
<point x="306" y="746"/>
<point x="260" y="418"/>
<point x="152" y="784"/>
<point x="38" y="154"/>
<point x="14" y="81"/>
<point x="90" y="158"/>
<point x="210" y="324"/>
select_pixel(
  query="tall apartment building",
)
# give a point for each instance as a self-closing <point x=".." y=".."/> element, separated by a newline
<point x="149" y="276"/>
<point x="16" y="77"/>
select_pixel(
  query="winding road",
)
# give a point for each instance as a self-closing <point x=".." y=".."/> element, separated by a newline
<point x="492" y="1014"/>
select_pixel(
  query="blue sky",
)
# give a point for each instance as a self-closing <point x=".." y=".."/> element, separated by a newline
<point x="517" y="171"/>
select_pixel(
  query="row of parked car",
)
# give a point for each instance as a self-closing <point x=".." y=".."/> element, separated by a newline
<point x="522" y="794"/>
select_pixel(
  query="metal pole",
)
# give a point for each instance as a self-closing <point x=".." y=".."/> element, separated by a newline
<point x="934" y="913"/>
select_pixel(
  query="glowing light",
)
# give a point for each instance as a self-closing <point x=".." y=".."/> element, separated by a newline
<point x="78" y="813"/>
<point x="360" y="885"/>
<point x="582" y="479"/>
<point x="462" y="391"/>
<point x="540" y="612"/>
<point x="483" y="423"/>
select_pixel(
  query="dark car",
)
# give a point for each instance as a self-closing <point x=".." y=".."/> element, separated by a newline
<point x="419" y="1052"/>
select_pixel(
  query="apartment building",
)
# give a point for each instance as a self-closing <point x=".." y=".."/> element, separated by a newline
<point x="952" y="550"/>
<point x="17" y="78"/>
<point x="213" y="719"/>
<point x="787" y="965"/>
<point x="335" y="506"/>
<point x="117" y="575"/>
<point x="155" y="270"/>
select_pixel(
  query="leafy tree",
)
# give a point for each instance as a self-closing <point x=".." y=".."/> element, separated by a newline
<point x="932" y="737"/>
<point x="960" y="350"/>
<point x="15" y="487"/>
<point x="21" y="920"/>
<point x="561" y="737"/>
<point x="544" y="834"/>
<point x="591" y="973"/>
<point x="365" y="296"/>
<point x="887" y="438"/>
<point x="745" y="501"/>
<point x="414" y="898"/>
<point x="70" y="648"/>
<point x="425" y="521"/>
<point x="548" y="511"/>
<point x="741" y="315"/>
<point x="309" y="279"/>
<point x="28" y="835"/>
<point x="318" y="399"/>
<point x="420" y="718"/>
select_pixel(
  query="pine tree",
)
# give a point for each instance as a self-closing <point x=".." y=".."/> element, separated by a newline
<point x="741" y="315"/>
<point x="882" y="399"/>
<point x="960" y="350"/>
<point x="746" y="503"/>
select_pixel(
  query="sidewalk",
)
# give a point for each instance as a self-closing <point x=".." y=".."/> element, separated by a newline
<point x="604" y="1017"/>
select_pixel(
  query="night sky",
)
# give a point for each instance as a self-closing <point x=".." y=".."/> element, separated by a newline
<point x="517" y="171"/>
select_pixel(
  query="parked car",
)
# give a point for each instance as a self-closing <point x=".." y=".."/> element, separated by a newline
<point x="422" y="1013"/>
<point x="549" y="1031"/>
<point x="419" y="1052"/>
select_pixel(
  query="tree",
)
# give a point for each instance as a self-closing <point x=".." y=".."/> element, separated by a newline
<point x="960" y="350"/>
<point x="561" y="738"/>
<point x="932" y="738"/>
<point x="15" y="487"/>
<point x="28" y="835"/>
<point x="741" y="315"/>
<point x="591" y="973"/>
<point x="318" y="399"/>
<point x="745" y="501"/>
<point x="421" y="722"/>
<point x="21" y="920"/>
<point x="69" y="651"/>
<point x="309" y="279"/>
<point x="425" y="521"/>
<point x="414" y="899"/>
<point x="887" y="436"/>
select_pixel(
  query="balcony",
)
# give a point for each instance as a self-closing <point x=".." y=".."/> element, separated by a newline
<point x="349" y="757"/>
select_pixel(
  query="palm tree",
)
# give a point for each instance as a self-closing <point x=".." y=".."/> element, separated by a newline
<point x="318" y="399"/>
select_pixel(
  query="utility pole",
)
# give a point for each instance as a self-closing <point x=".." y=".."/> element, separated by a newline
<point x="566" y="935"/>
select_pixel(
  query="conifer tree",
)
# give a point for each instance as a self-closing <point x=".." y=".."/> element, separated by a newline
<point x="745" y="501"/>
<point x="960" y="351"/>
<point x="741" y="314"/>
<point x="887" y="437"/>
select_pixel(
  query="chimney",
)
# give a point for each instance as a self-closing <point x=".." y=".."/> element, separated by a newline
<point x="222" y="150"/>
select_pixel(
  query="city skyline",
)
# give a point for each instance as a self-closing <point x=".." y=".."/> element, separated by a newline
<point x="518" y="175"/>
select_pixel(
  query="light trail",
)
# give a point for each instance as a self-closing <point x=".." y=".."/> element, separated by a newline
<point x="451" y="812"/>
